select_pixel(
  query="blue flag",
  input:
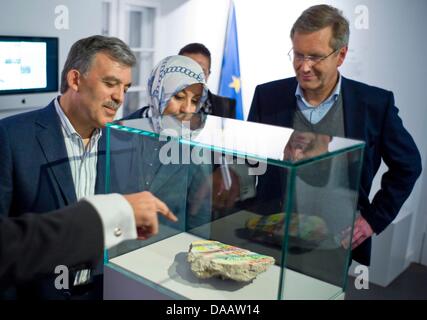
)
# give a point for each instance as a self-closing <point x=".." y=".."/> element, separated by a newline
<point x="229" y="84"/>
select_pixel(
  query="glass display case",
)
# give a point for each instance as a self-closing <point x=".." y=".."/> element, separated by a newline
<point x="288" y="197"/>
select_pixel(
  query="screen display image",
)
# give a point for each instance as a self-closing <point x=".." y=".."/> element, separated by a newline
<point x="28" y="65"/>
<point x="22" y="65"/>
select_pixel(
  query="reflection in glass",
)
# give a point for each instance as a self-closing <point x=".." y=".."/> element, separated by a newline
<point x="303" y="145"/>
<point x="289" y="195"/>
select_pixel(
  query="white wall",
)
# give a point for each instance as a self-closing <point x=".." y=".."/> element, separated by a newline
<point x="390" y="54"/>
<point x="185" y="21"/>
<point x="37" y="18"/>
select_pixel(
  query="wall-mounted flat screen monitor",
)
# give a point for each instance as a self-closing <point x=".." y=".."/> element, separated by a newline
<point x="28" y="64"/>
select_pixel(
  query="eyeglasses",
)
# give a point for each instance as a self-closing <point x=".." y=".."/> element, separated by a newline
<point x="299" y="58"/>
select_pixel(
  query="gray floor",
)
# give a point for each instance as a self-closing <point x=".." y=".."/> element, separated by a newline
<point x="410" y="285"/>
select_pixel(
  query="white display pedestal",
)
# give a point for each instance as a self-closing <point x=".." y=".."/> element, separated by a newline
<point x="161" y="271"/>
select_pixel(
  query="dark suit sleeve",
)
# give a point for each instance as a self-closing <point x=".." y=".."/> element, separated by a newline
<point x="232" y="108"/>
<point x="6" y="181"/>
<point x="400" y="154"/>
<point x="254" y="112"/>
<point x="34" y="244"/>
<point x="223" y="106"/>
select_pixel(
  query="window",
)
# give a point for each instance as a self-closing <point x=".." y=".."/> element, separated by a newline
<point x="134" y="22"/>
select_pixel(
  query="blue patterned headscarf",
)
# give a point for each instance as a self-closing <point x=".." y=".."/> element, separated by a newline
<point x="172" y="75"/>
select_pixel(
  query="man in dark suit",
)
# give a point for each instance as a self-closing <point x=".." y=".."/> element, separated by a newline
<point x="54" y="156"/>
<point x="214" y="105"/>
<point x="33" y="245"/>
<point x="320" y="99"/>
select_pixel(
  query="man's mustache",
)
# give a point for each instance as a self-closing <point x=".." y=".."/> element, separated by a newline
<point x="112" y="105"/>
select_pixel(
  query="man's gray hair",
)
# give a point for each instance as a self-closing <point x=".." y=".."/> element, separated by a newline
<point x="321" y="16"/>
<point x="82" y="53"/>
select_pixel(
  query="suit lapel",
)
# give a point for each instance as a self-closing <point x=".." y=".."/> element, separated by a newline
<point x="52" y="143"/>
<point x="101" y="164"/>
<point x="287" y="111"/>
<point x="354" y="111"/>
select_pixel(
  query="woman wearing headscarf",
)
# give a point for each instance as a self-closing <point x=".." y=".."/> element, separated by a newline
<point x="176" y="88"/>
<point x="176" y="85"/>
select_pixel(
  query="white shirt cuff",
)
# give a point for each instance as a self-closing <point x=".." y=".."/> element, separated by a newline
<point x="117" y="218"/>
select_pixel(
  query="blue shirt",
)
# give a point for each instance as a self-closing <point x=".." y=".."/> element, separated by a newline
<point x="312" y="113"/>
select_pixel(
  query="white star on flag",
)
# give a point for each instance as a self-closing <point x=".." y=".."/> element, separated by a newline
<point x="235" y="84"/>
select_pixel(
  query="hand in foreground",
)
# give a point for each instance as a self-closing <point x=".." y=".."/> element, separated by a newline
<point x="145" y="208"/>
<point x="361" y="231"/>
